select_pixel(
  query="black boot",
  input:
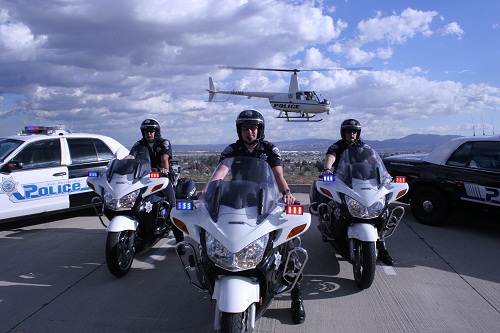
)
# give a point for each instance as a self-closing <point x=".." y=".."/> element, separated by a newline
<point x="298" y="312"/>
<point x="383" y="254"/>
<point x="179" y="237"/>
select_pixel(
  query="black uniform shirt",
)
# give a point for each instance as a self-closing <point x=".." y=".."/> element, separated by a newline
<point x="264" y="150"/>
<point x="160" y="147"/>
<point x="340" y="146"/>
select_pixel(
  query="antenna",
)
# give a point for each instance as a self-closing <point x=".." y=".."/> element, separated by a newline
<point x="492" y="123"/>
<point x="473" y="129"/>
<point x="482" y="123"/>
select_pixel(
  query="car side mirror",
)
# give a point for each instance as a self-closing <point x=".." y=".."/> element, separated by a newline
<point x="12" y="166"/>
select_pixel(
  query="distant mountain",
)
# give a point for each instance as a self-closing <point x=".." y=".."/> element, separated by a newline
<point x="410" y="143"/>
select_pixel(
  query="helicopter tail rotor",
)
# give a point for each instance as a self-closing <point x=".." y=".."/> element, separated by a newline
<point x="211" y="89"/>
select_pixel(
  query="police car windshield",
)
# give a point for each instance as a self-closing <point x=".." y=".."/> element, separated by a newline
<point x="7" y="146"/>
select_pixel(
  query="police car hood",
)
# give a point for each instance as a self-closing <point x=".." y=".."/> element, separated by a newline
<point x="406" y="158"/>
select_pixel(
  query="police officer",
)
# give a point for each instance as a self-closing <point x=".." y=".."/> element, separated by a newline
<point x="250" y="127"/>
<point x="350" y="133"/>
<point x="160" y="153"/>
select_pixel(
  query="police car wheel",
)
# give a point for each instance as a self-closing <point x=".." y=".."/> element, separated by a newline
<point x="429" y="206"/>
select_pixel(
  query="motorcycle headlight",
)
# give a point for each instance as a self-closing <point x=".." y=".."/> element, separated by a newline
<point x="356" y="209"/>
<point x="249" y="257"/>
<point x="125" y="202"/>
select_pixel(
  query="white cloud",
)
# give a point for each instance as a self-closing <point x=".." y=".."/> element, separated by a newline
<point x="389" y="30"/>
<point x="396" y="28"/>
<point x="104" y="66"/>
<point x="452" y="29"/>
<point x="16" y="39"/>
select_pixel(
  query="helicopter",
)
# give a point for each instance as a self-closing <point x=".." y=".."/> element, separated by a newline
<point x="303" y="105"/>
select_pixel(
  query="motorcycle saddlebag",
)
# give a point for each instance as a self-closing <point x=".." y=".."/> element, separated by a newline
<point x="185" y="188"/>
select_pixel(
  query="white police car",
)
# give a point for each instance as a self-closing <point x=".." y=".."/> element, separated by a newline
<point x="44" y="169"/>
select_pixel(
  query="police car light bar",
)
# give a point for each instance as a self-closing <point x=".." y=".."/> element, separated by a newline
<point x="45" y="129"/>
<point x="184" y="205"/>
<point x="328" y="178"/>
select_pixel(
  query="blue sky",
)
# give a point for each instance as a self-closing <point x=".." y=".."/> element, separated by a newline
<point x="103" y="67"/>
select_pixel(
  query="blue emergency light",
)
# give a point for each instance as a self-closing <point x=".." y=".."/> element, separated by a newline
<point x="328" y="178"/>
<point x="184" y="205"/>
<point x="93" y="174"/>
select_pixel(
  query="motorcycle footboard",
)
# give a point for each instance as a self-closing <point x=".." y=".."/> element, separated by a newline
<point x="392" y="222"/>
<point x="193" y="265"/>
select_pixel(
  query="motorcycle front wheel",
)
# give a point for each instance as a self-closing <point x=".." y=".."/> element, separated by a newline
<point x="233" y="322"/>
<point x="364" y="263"/>
<point x="120" y="251"/>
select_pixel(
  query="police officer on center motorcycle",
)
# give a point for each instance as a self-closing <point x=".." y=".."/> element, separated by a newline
<point x="160" y="153"/>
<point x="250" y="127"/>
<point x="350" y="132"/>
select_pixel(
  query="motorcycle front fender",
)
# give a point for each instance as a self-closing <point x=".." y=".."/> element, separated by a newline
<point x="235" y="294"/>
<point x="121" y="222"/>
<point x="363" y="231"/>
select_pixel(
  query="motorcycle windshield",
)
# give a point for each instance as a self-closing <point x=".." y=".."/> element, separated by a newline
<point x="140" y="166"/>
<point x="242" y="182"/>
<point x="361" y="163"/>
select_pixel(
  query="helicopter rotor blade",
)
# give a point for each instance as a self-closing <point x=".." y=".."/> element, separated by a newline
<point x="259" y="69"/>
<point x="296" y="70"/>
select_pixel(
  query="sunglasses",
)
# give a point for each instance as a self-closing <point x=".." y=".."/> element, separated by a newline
<point x="251" y="128"/>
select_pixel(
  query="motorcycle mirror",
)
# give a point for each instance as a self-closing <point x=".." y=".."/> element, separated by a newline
<point x="379" y="176"/>
<point x="215" y="205"/>
<point x="261" y="201"/>
<point x="110" y="170"/>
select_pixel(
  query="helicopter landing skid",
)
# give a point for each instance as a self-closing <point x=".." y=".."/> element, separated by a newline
<point x="297" y="119"/>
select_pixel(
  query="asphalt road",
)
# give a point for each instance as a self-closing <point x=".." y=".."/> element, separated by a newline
<point x="53" y="278"/>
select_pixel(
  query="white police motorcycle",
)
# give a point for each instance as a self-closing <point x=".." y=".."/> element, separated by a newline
<point x="353" y="209"/>
<point x="132" y="197"/>
<point x="248" y="246"/>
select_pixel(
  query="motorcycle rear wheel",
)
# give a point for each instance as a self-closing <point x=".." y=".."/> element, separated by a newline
<point x="364" y="263"/>
<point x="120" y="252"/>
<point x="233" y="322"/>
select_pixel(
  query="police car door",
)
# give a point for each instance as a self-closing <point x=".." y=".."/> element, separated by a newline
<point x="477" y="181"/>
<point x="40" y="185"/>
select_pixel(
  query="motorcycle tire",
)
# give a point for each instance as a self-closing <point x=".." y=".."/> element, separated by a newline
<point x="233" y="322"/>
<point x="120" y="252"/>
<point x="364" y="263"/>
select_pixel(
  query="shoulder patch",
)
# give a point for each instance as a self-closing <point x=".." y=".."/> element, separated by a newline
<point x="276" y="151"/>
<point x="227" y="150"/>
